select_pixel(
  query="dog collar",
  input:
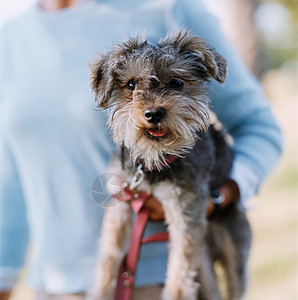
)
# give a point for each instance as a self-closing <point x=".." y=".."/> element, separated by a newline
<point x="164" y="164"/>
<point x="169" y="160"/>
<point x="139" y="174"/>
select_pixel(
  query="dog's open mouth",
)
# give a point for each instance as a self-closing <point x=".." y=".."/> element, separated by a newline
<point x="156" y="133"/>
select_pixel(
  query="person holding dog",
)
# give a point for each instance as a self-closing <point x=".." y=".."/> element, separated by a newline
<point x="51" y="148"/>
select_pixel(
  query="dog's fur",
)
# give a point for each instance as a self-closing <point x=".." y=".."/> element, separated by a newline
<point x="130" y="80"/>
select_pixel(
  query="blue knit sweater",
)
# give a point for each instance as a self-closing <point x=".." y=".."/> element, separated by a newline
<point x="53" y="143"/>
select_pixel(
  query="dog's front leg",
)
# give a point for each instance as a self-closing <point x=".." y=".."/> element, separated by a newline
<point x="115" y="232"/>
<point x="186" y="220"/>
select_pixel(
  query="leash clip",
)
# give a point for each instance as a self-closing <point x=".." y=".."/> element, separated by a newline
<point x="138" y="178"/>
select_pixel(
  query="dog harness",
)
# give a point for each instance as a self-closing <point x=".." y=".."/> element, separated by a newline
<point x="126" y="275"/>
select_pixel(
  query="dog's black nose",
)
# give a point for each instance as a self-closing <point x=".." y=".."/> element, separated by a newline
<point x="154" y="115"/>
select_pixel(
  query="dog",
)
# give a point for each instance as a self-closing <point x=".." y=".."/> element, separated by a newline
<point x="158" y="106"/>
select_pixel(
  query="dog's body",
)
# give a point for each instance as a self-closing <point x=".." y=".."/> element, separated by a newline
<point x="159" y="109"/>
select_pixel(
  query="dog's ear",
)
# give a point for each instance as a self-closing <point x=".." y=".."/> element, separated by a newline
<point x="102" y="70"/>
<point x="209" y="63"/>
<point x="101" y="80"/>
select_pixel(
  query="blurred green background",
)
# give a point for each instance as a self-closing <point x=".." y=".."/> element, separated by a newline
<point x="265" y="34"/>
<point x="274" y="260"/>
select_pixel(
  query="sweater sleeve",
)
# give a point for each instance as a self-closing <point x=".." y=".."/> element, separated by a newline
<point x="239" y="104"/>
<point x="13" y="223"/>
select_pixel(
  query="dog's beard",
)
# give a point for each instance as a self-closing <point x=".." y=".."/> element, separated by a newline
<point x="183" y="123"/>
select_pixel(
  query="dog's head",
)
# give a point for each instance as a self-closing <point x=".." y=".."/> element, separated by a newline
<point x="156" y="94"/>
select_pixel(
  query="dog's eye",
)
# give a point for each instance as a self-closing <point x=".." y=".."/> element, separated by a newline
<point x="131" y="85"/>
<point x="175" y="84"/>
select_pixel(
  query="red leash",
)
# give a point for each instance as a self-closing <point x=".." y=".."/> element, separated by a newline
<point x="126" y="275"/>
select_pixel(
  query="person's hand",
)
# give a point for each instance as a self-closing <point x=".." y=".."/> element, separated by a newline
<point x="229" y="191"/>
<point x="4" y="295"/>
<point x="157" y="213"/>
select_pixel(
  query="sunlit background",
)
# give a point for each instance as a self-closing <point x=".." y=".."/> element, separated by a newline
<point x="265" y="34"/>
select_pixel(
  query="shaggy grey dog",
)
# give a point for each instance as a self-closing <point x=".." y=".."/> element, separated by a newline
<point x="158" y="108"/>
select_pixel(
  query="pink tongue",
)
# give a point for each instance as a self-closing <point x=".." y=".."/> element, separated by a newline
<point x="157" y="132"/>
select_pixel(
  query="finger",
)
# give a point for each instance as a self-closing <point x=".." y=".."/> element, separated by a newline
<point x="210" y="208"/>
<point x="157" y="212"/>
<point x="156" y="217"/>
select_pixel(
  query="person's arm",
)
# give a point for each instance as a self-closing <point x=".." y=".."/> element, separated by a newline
<point x="229" y="192"/>
<point x="5" y="295"/>
<point x="239" y="104"/>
